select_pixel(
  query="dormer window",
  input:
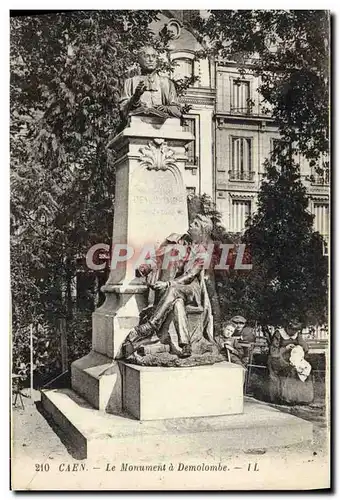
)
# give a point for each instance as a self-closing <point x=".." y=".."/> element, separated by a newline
<point x="184" y="68"/>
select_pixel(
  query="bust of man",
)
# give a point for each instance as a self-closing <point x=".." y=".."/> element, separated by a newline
<point x="149" y="93"/>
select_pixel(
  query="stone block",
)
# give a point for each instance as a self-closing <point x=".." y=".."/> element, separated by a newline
<point x="98" y="379"/>
<point x="155" y="393"/>
<point x="150" y="196"/>
<point x="112" y="322"/>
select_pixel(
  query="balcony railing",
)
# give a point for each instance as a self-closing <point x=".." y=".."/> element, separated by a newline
<point x="241" y="176"/>
<point x="320" y="179"/>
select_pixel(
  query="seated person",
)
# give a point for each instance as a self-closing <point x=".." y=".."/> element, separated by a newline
<point x="231" y="347"/>
<point x="289" y="375"/>
<point x="243" y="330"/>
<point x="177" y="286"/>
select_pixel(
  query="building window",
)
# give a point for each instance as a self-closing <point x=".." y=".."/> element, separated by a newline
<point x="240" y="99"/>
<point x="321" y="219"/>
<point x="241" y="159"/>
<point x="189" y="125"/>
<point x="240" y="212"/>
<point x="184" y="67"/>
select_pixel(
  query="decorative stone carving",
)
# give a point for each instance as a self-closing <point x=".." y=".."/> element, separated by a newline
<point x="220" y="122"/>
<point x="319" y="197"/>
<point x="157" y="155"/>
<point x="262" y="126"/>
<point x="242" y="196"/>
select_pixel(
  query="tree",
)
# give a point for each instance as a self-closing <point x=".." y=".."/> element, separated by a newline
<point x="67" y="72"/>
<point x="289" y="277"/>
<point x="66" y="75"/>
<point x="289" y="51"/>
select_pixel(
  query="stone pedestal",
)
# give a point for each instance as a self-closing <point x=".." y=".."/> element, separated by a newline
<point x="150" y="204"/>
<point x="158" y="393"/>
<point x="100" y="436"/>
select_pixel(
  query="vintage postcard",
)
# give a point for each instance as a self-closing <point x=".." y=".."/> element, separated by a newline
<point x="170" y="236"/>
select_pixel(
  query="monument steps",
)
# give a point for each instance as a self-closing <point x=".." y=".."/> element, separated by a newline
<point x="94" y="376"/>
<point x="95" y="434"/>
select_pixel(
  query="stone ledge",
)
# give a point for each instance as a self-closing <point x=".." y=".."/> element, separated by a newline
<point x="147" y="127"/>
<point x="98" y="435"/>
<point x="97" y="378"/>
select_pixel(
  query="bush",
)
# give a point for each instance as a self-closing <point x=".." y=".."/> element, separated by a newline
<point x="79" y="335"/>
<point x="46" y="353"/>
<point x="47" y="358"/>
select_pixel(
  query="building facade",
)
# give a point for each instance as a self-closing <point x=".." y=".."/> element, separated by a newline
<point x="233" y="134"/>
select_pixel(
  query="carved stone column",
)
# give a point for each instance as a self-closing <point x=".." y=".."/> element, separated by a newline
<point x="150" y="204"/>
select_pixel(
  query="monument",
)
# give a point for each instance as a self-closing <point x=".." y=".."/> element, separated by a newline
<point x="150" y="208"/>
<point x="154" y="356"/>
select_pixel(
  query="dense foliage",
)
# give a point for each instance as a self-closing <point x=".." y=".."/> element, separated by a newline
<point x="290" y="270"/>
<point x="288" y="279"/>
<point x="66" y="74"/>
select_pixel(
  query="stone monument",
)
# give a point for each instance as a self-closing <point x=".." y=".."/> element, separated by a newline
<point x="150" y="205"/>
<point x="154" y="405"/>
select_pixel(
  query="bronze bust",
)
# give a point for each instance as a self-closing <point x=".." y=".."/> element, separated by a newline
<point x="149" y="94"/>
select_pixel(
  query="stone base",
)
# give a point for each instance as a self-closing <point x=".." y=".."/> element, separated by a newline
<point x="115" y="318"/>
<point x="97" y="378"/>
<point x="100" y="436"/>
<point x="155" y="392"/>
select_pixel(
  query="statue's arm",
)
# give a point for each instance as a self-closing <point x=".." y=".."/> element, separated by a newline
<point x="125" y="99"/>
<point x="192" y="273"/>
<point x="130" y="99"/>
